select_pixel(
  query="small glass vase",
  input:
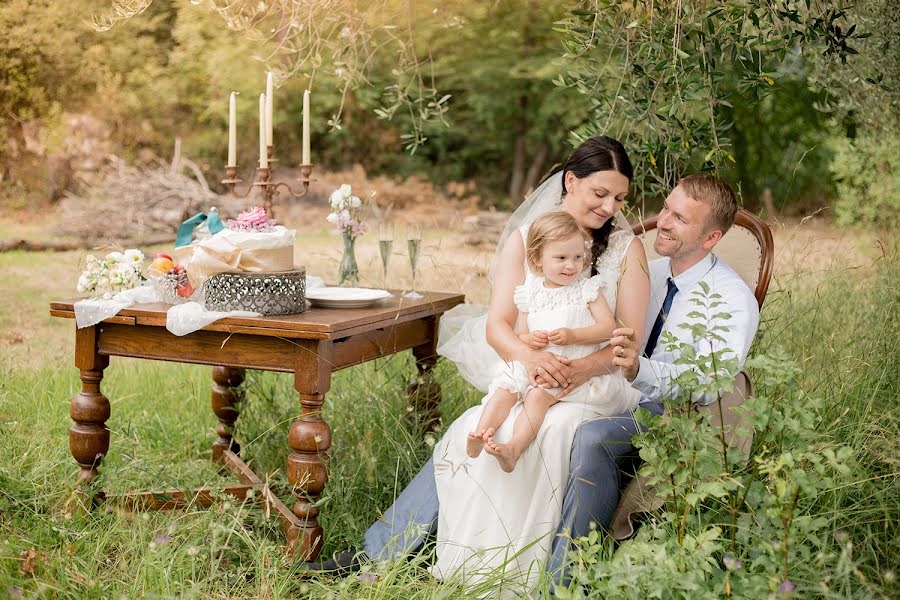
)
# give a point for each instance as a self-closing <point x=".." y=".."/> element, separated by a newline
<point x="349" y="270"/>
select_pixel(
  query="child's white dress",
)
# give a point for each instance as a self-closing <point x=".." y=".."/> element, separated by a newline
<point x="499" y="526"/>
<point x="566" y="306"/>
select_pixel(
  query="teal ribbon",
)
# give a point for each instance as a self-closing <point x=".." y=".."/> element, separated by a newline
<point x="186" y="229"/>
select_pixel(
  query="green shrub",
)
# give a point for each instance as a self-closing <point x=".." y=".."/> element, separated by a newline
<point x="814" y="509"/>
<point x="867" y="176"/>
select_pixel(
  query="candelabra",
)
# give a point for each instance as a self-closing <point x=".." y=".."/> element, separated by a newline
<point x="269" y="189"/>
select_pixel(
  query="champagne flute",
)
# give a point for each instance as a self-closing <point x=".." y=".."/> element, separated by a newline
<point x="413" y="245"/>
<point x="385" y="244"/>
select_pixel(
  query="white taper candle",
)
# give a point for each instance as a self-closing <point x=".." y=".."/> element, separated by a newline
<point x="263" y="159"/>
<point x="306" y="158"/>
<point x="269" y="100"/>
<point x="232" y="130"/>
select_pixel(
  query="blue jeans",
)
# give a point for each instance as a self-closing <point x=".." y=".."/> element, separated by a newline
<point x="600" y="451"/>
<point x="408" y="521"/>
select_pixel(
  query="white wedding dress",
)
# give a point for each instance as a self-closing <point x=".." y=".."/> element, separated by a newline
<point x="499" y="526"/>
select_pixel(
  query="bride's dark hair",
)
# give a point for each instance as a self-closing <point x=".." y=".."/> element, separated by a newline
<point x="600" y="153"/>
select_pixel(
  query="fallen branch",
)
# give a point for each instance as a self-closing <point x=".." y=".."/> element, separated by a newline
<point x="31" y="246"/>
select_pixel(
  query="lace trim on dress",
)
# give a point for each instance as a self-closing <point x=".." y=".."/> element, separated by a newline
<point x="609" y="264"/>
<point x="520" y="297"/>
<point x="591" y="289"/>
<point x="541" y="298"/>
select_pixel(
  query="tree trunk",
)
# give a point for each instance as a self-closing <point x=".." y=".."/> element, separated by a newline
<point x="60" y="176"/>
<point x="766" y="199"/>
<point x="518" y="172"/>
<point x="537" y="165"/>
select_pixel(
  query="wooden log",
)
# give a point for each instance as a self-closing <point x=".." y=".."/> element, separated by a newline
<point x="34" y="246"/>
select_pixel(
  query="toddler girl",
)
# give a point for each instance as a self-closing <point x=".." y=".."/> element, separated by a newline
<point x="562" y="311"/>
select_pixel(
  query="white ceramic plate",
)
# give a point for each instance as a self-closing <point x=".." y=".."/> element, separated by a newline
<point x="339" y="297"/>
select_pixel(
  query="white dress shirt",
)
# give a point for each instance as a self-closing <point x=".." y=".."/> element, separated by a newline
<point x="656" y="374"/>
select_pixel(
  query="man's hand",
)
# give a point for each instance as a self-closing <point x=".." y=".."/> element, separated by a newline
<point x="626" y="352"/>
<point x="536" y="340"/>
<point x="562" y="336"/>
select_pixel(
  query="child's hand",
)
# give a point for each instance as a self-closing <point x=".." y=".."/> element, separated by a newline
<point x="536" y="340"/>
<point x="562" y="336"/>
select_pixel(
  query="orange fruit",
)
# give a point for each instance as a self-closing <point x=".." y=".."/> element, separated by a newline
<point x="161" y="265"/>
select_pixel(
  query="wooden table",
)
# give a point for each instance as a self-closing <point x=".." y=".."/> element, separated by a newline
<point x="310" y="345"/>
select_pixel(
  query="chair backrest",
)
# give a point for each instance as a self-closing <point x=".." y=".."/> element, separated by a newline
<point x="747" y="248"/>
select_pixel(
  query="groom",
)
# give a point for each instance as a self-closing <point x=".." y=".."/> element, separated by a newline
<point x="694" y="218"/>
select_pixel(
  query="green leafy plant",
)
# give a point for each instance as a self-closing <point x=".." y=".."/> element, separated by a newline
<point x="867" y="176"/>
<point x="664" y="76"/>
<point x="728" y="526"/>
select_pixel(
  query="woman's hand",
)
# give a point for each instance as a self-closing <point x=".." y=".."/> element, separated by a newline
<point x="548" y="368"/>
<point x="626" y="352"/>
<point x="536" y="340"/>
<point x="580" y="370"/>
<point x="562" y="336"/>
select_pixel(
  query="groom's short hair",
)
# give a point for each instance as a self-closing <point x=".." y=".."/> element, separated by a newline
<point x="717" y="194"/>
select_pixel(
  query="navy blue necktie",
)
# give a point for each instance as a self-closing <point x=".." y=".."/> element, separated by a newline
<point x="661" y="318"/>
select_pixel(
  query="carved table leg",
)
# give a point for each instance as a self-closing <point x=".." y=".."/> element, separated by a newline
<point x="309" y="440"/>
<point x="89" y="437"/>
<point x="423" y="391"/>
<point x="225" y="403"/>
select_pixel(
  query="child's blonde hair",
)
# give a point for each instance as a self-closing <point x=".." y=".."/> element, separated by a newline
<point x="553" y="226"/>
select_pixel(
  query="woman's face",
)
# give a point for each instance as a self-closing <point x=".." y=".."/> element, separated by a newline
<point x="594" y="199"/>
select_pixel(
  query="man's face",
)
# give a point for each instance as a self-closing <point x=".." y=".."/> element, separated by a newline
<point x="683" y="227"/>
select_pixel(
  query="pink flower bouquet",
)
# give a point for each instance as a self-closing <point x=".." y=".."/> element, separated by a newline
<point x="254" y="219"/>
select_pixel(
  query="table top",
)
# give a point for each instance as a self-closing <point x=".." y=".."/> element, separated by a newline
<point x="314" y="323"/>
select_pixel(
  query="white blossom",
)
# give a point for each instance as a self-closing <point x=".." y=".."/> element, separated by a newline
<point x="134" y="256"/>
<point x="117" y="272"/>
<point x="346" y="211"/>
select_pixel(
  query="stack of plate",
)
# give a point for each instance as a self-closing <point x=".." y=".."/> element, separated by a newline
<point x="340" y="297"/>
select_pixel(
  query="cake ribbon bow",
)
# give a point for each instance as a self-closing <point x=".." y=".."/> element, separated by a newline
<point x="186" y="229"/>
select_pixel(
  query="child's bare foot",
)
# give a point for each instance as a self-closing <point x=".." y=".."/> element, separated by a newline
<point x="505" y="454"/>
<point x="474" y="443"/>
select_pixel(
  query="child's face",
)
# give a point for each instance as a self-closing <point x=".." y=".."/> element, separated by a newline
<point x="562" y="261"/>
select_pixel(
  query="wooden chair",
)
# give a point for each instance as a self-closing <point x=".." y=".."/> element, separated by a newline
<point x="749" y="250"/>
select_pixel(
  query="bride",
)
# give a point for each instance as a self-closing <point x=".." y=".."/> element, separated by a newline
<point x="494" y="525"/>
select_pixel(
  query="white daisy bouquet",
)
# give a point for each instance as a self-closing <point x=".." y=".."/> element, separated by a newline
<point x="117" y="272"/>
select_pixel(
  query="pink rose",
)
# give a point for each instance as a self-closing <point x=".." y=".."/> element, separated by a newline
<point x="254" y="219"/>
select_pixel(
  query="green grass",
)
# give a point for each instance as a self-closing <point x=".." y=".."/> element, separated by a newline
<point x="162" y="428"/>
<point x="841" y="326"/>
